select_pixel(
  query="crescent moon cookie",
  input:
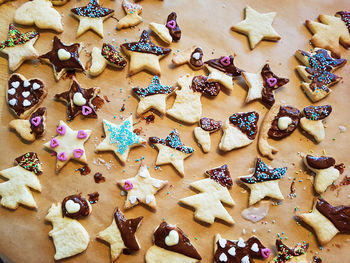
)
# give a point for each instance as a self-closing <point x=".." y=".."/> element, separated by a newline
<point x="264" y="182"/>
<point x="292" y="255"/>
<point x="213" y="192"/>
<point x="223" y="71"/>
<point x="279" y="122"/>
<point x="202" y="133"/>
<point x="132" y="17"/>
<point x="171" y="245"/>
<point x="144" y="55"/>
<point x="63" y="57"/>
<point x="327" y="220"/>
<point x="91" y="17"/>
<point x="39" y="13"/>
<point x="263" y="85"/>
<point x="312" y="122"/>
<point x="170" y="32"/>
<point x="331" y="31"/>
<point x="317" y="72"/>
<point x="239" y="130"/>
<point x="193" y="56"/>
<point x="238" y="251"/>
<point x="121" y="235"/>
<point x="257" y="26"/>
<point x="109" y="55"/>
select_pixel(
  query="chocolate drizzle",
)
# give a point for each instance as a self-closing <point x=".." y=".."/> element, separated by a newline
<point x="30" y="162"/>
<point x="316" y="113"/>
<point x="230" y="70"/>
<point x="173" y="141"/>
<point x="78" y="199"/>
<point x="112" y="55"/>
<point x="154" y="88"/>
<point x="127" y="228"/>
<point x="221" y="175"/>
<point x="263" y="173"/>
<point x="322" y="162"/>
<point x="92" y="10"/>
<point x="184" y="245"/>
<point x="285" y="253"/>
<point x="338" y="215"/>
<point x="284" y="111"/>
<point x="345" y="16"/>
<point x="210" y="125"/>
<point x="246" y="122"/>
<point x="197" y="61"/>
<point x="175" y="32"/>
<point x="38" y="130"/>
<point x="201" y="84"/>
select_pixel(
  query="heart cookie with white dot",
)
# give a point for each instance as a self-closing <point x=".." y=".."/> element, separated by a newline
<point x="24" y="96"/>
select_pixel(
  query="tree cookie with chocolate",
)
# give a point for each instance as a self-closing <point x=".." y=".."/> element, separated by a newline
<point x="170" y="32"/>
<point x="292" y="255"/>
<point x="192" y="56"/>
<point x="202" y="133"/>
<point x="132" y="17"/>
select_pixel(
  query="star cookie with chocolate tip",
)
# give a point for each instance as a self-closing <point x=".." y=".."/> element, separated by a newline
<point x="193" y="56"/>
<point x="202" y="133"/>
<point x="132" y="17"/>
<point x="170" y="32"/>
<point x="286" y="254"/>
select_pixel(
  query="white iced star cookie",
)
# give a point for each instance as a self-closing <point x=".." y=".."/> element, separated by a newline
<point x="291" y="255"/>
<point x="264" y="182"/>
<point x="172" y="151"/>
<point x="132" y="17"/>
<point x="39" y="13"/>
<point x="68" y="144"/>
<point x="202" y="133"/>
<point x="257" y="26"/>
<point x="170" y="31"/>
<point x="120" y="138"/>
<point x="192" y="56"/>
<point x="141" y="188"/>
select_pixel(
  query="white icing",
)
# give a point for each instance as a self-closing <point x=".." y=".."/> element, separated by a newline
<point x="284" y="122"/>
<point x="63" y="54"/>
<point x="72" y="207"/>
<point x="12" y="102"/>
<point x="26" y="103"/>
<point x="35" y="86"/>
<point x="232" y="251"/>
<point x="223" y="257"/>
<point x="149" y="198"/>
<point x="196" y="55"/>
<point x="255" y="248"/>
<point x="241" y="242"/>
<point x="172" y="238"/>
<point x="25" y="94"/>
<point x="245" y="259"/>
<point x="15" y="84"/>
<point x="78" y="99"/>
<point x="11" y="91"/>
<point x="156" y="184"/>
<point x="132" y="199"/>
<point x="26" y="83"/>
<point x="222" y="242"/>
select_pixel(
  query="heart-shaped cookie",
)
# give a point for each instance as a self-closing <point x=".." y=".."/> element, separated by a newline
<point x="24" y="96"/>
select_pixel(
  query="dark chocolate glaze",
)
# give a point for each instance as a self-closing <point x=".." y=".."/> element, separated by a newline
<point x="210" y="125"/>
<point x="83" y="203"/>
<point x="322" y="162"/>
<point x="230" y="70"/>
<point x="221" y="175"/>
<point x="285" y="253"/>
<point x="316" y="259"/>
<point x="184" y="246"/>
<point x="345" y="16"/>
<point x="316" y="113"/>
<point x="30" y="162"/>
<point x="93" y="197"/>
<point x="173" y="141"/>
<point x="284" y="111"/>
<point x="112" y="55"/>
<point x="38" y="130"/>
<point x="246" y="122"/>
<point x="99" y="178"/>
<point x="175" y="33"/>
<point x="92" y="10"/>
<point x="154" y="88"/>
<point x="197" y="63"/>
<point x="201" y="84"/>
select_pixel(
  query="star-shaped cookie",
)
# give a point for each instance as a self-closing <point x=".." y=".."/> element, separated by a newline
<point x="287" y="254"/>
<point x="63" y="57"/>
<point x="120" y="138"/>
<point x="144" y="55"/>
<point x="172" y="150"/>
<point x="81" y="101"/>
<point x="132" y="17"/>
<point x="121" y="234"/>
<point x="264" y="182"/>
<point x="257" y="26"/>
<point x="153" y="97"/>
<point x="141" y="188"/>
<point x="19" y="47"/>
<point x="91" y="17"/>
<point x="68" y="144"/>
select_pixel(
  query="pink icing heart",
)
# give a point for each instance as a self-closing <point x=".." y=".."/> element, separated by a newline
<point x="225" y="61"/>
<point x="265" y="252"/>
<point x="271" y="82"/>
<point x="86" y="110"/>
<point x="62" y="156"/>
<point x="171" y="24"/>
<point x="36" y="121"/>
<point x="78" y="153"/>
<point x="54" y="143"/>
<point x="81" y="134"/>
<point x="61" y="130"/>
<point x="128" y="185"/>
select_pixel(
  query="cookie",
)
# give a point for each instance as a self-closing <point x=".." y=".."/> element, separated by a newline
<point x="21" y="177"/>
<point x="263" y="85"/>
<point x="238" y="251"/>
<point x="239" y="130"/>
<point x="120" y="138"/>
<point x="59" y="2"/>
<point x="264" y="182"/>
<point x="63" y="57"/>
<point x="24" y="96"/>
<point x="331" y="31"/>
<point x="144" y="55"/>
<point x="312" y="123"/>
<point x="109" y="55"/>
<point x="132" y="17"/>
<point x="19" y="47"/>
<point x="172" y="151"/>
<point x="39" y="13"/>
<point x="325" y="171"/>
<point x="91" y="17"/>
<point x="170" y="32"/>
<point x="279" y="122"/>
<point x="141" y="188"/>
<point x="327" y="220"/>
<point x="223" y="71"/>
<point x="202" y="133"/>
<point x="75" y="207"/>
<point x="68" y="144"/>
<point x="33" y="128"/>
<point x="171" y="245"/>
<point x="121" y="234"/>
<point x="213" y="192"/>
<point x="69" y="236"/>
<point x="192" y="56"/>
<point x="292" y="255"/>
<point x="317" y="72"/>
<point x="153" y="97"/>
<point x="81" y="101"/>
<point x="257" y="26"/>
<point x="201" y="84"/>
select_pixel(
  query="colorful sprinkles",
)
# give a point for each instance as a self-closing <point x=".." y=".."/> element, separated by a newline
<point x="221" y="175"/>
<point x="173" y="141"/>
<point x="15" y="37"/>
<point x="112" y="55"/>
<point x="316" y="113"/>
<point x="154" y="88"/>
<point x="246" y="122"/>
<point x="92" y="10"/>
<point x="30" y="162"/>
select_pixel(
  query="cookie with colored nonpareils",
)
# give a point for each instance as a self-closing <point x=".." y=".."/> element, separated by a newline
<point x="170" y="32"/>
<point x="292" y="255"/>
<point x="20" y="179"/>
<point x="132" y="17"/>
<point x="213" y="192"/>
<point x="192" y="56"/>
<point x="264" y="182"/>
<point x="68" y="144"/>
<point x="202" y="133"/>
